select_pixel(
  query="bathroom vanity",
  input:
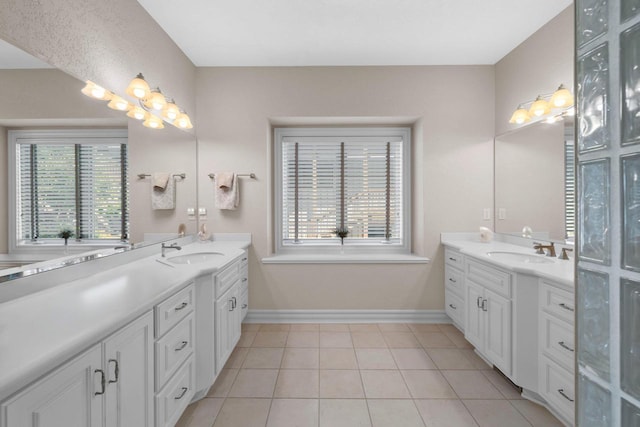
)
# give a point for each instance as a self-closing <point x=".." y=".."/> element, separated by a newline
<point x="131" y="345"/>
<point x="517" y="309"/>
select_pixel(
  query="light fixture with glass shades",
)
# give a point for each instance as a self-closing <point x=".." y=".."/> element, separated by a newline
<point x="549" y="107"/>
<point x="153" y="108"/>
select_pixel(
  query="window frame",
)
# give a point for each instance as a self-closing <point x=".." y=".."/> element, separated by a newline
<point x="52" y="136"/>
<point x="350" y="247"/>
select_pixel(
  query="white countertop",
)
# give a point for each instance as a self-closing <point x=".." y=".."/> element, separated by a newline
<point x="560" y="271"/>
<point x="40" y="331"/>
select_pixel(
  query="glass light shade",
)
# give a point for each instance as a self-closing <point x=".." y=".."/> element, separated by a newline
<point x="153" y="122"/>
<point x="540" y="107"/>
<point x="92" y="90"/>
<point x="138" y="88"/>
<point x="520" y="116"/>
<point x="137" y="113"/>
<point x="561" y="98"/>
<point x="170" y="111"/>
<point x="156" y="101"/>
<point x="183" y="121"/>
<point x="118" y="103"/>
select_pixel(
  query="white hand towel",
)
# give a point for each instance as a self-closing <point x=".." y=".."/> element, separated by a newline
<point x="160" y="180"/>
<point x="164" y="199"/>
<point x="224" y="180"/>
<point x="227" y="198"/>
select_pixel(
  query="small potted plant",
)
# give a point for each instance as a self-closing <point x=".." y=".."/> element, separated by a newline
<point x="65" y="234"/>
<point x="342" y="232"/>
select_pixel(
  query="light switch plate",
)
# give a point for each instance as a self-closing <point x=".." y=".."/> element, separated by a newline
<point x="486" y="214"/>
<point x="502" y="213"/>
<point x="202" y="211"/>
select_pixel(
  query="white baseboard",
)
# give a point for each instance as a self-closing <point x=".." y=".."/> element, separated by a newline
<point x="347" y="316"/>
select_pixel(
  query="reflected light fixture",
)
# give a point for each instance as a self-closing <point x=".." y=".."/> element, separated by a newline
<point x="138" y="88"/>
<point x="92" y="90"/>
<point x="543" y="106"/>
<point x="153" y="122"/>
<point x="155" y="100"/>
<point x="183" y="121"/>
<point x="170" y="110"/>
<point x="137" y="113"/>
<point x="119" y="103"/>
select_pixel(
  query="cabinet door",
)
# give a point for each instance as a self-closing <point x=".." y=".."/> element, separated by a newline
<point x="498" y="331"/>
<point x="66" y="397"/>
<point x="473" y="328"/>
<point x="223" y="308"/>
<point x="128" y="361"/>
<point x="235" y="325"/>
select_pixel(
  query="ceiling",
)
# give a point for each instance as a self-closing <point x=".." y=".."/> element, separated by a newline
<point x="350" y="32"/>
<point x="12" y="57"/>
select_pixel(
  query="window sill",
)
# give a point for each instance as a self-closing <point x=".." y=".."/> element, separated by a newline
<point x="345" y="259"/>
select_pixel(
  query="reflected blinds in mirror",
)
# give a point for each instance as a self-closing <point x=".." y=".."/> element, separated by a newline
<point x="569" y="185"/>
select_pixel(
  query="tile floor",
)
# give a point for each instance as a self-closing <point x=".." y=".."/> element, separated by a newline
<point x="351" y="375"/>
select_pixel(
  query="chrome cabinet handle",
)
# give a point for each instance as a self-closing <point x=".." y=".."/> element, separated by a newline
<point x="244" y="279"/>
<point x="565" y="306"/>
<point x="231" y="307"/>
<point x="453" y="259"/>
<point x="452" y="280"/>
<point x="235" y="302"/>
<point x="478" y="302"/>
<point x="244" y="259"/>
<point x="244" y="306"/>
<point x="453" y="306"/>
<point x="561" y="391"/>
<point x="484" y="305"/>
<point x="181" y="306"/>
<point x="183" y="344"/>
<point x="184" y="391"/>
<point x="563" y="345"/>
<point x="116" y="371"/>
<point x="102" y="382"/>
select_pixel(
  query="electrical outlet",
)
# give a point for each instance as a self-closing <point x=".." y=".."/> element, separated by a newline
<point x="202" y="211"/>
<point x="502" y="213"/>
<point x="191" y="214"/>
<point x="486" y="214"/>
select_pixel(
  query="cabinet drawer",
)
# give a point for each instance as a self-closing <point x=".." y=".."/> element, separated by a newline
<point x="454" y="280"/>
<point x="453" y="257"/>
<point x="174" y="309"/>
<point x="490" y="277"/>
<point x="173" y="349"/>
<point x="172" y="400"/>
<point x="454" y="307"/>
<point x="226" y="278"/>
<point x="244" y="302"/>
<point x="557" y="301"/>
<point x="557" y="387"/>
<point x="556" y="340"/>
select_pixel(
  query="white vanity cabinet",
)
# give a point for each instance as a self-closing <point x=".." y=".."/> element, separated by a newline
<point x="228" y="312"/>
<point x="244" y="285"/>
<point x="111" y="384"/>
<point x="454" y="291"/>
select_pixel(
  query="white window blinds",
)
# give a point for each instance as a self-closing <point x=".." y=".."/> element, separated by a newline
<point x="569" y="187"/>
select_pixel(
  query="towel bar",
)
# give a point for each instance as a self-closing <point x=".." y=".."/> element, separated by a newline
<point x="250" y="175"/>
<point x="144" y="175"/>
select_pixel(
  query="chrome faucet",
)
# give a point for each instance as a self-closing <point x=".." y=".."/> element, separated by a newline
<point x="164" y="247"/>
<point x="539" y="247"/>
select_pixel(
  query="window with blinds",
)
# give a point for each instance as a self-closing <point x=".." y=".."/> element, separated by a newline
<point x="569" y="186"/>
<point x="68" y="180"/>
<point x="343" y="179"/>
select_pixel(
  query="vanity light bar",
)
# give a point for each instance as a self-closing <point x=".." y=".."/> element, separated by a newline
<point x="543" y="105"/>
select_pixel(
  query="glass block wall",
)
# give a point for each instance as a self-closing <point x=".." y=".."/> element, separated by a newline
<point x="608" y="240"/>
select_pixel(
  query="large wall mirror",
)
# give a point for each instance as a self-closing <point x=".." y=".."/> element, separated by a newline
<point x="534" y="181"/>
<point x="36" y="96"/>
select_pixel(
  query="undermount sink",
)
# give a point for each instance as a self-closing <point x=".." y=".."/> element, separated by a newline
<point x="195" y="258"/>
<point x="519" y="257"/>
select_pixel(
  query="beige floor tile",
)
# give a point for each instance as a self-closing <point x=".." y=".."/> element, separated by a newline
<point x="458" y="338"/>
<point x="186" y="415"/>
<point x="206" y="412"/>
<point x="304" y="327"/>
<point x="504" y="387"/>
<point x="478" y="362"/>
<point x="250" y="327"/>
<point x="393" y="327"/>
<point x="301" y="358"/>
<point x="363" y="327"/>
<point x="338" y="358"/>
<point x="412" y="358"/>
<point x="334" y="327"/>
<point x="445" y="413"/>
<point x="303" y="339"/>
<point x="341" y="384"/>
<point x="471" y="385"/>
<point x="344" y="413"/>
<point x="368" y="340"/>
<point x="246" y="339"/>
<point x="270" y="339"/>
<point x="401" y="340"/>
<point x="537" y="415"/>
<point x="434" y="340"/>
<point x="243" y="413"/>
<point x="426" y="384"/>
<point x="263" y="358"/>
<point x="375" y="358"/>
<point x="275" y="327"/>
<point x="254" y="383"/>
<point x="293" y="413"/>
<point x="446" y="328"/>
<point x="300" y="383"/>
<point x="223" y="383"/>
<point x="381" y="384"/>
<point x="394" y="413"/>
<point x="449" y="358"/>
<point x="335" y="340"/>
<point x="423" y="327"/>
<point x="237" y="358"/>
<point x="492" y="413"/>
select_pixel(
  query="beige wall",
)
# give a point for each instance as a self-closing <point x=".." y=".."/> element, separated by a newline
<point x="452" y="156"/>
<point x="537" y="66"/>
<point x="4" y="226"/>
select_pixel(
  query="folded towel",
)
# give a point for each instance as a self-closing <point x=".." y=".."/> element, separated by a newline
<point x="227" y="198"/>
<point x="164" y="199"/>
<point x="224" y="179"/>
<point x="160" y="180"/>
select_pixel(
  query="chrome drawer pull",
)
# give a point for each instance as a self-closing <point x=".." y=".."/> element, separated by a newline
<point x="183" y="344"/>
<point x="563" y="345"/>
<point x="184" y="391"/>
<point x="484" y="305"/>
<point x="561" y="391"/>
<point x="453" y="259"/>
<point x="181" y="306"/>
<point x="565" y="306"/>
<point x="244" y="306"/>
<point x="244" y="259"/>
<point x="116" y="371"/>
<point x="244" y="279"/>
<point x="453" y="306"/>
<point x="478" y="302"/>
<point x="452" y="280"/>
<point x="102" y="382"/>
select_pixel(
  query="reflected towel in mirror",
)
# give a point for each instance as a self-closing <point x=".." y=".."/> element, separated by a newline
<point x="160" y="180"/>
<point x="164" y="199"/>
